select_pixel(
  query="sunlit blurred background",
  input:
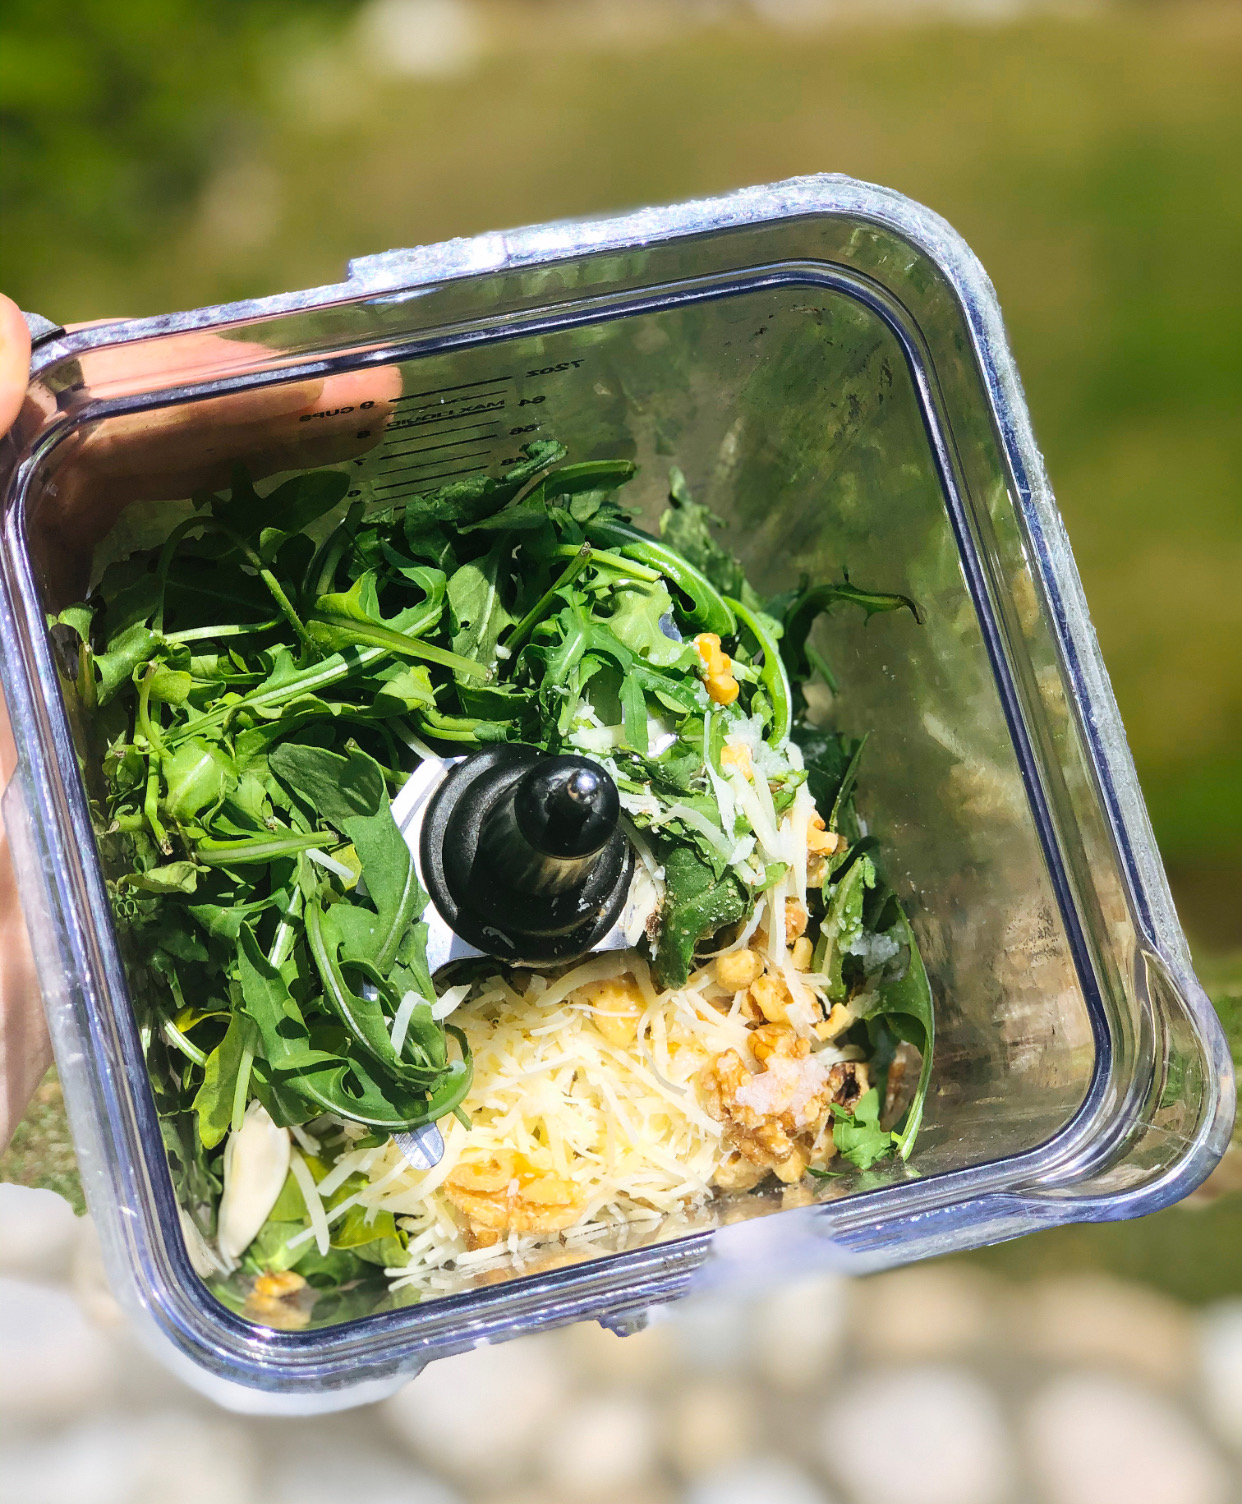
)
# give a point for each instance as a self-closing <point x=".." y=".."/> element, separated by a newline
<point x="159" y="154"/>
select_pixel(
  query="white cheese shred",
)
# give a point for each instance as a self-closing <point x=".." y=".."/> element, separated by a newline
<point x="401" y="1019"/>
<point x="330" y="864"/>
<point x="620" y="1123"/>
<point x="314" y="1206"/>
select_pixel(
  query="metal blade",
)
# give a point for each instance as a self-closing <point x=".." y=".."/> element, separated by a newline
<point x="423" y="1149"/>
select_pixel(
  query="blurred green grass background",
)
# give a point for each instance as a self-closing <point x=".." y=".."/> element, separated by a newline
<point x="158" y="154"/>
<point x="161" y="155"/>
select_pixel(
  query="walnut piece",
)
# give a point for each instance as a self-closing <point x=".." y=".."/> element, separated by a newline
<point x="778" y="1117"/>
<point x="737" y="969"/>
<point x="501" y="1194"/>
<point x="618" y="1006"/>
<point x="795" y="920"/>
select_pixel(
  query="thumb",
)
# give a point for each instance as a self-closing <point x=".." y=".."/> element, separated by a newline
<point x="14" y="361"/>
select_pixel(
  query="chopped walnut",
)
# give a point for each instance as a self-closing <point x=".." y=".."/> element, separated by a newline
<point x="847" y="1081"/>
<point x="772" y="998"/>
<point x="839" y="1019"/>
<point x="483" y="1176"/>
<point x="722" y="687"/>
<point x="791" y="1170"/>
<point x="795" y="920"/>
<point x="274" y="1301"/>
<point x="778" y="1117"/>
<point x="618" y="1006"/>
<point x="737" y="757"/>
<point x="737" y="969"/>
<point x="279" y="1284"/>
<point x="750" y="1009"/>
<point x="500" y="1195"/>
<point x="737" y="1173"/>
<point x="821" y="842"/>
<point x="776" y="1039"/>
<point x="803" y="953"/>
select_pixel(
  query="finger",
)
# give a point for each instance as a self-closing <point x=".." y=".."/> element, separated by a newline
<point x="25" y="1050"/>
<point x="169" y="453"/>
<point x="14" y="361"/>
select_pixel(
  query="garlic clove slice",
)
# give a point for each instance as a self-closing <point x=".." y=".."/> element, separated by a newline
<point x="256" y="1161"/>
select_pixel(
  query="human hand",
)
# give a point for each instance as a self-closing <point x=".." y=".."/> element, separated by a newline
<point x="163" y="455"/>
<point x="25" y="1052"/>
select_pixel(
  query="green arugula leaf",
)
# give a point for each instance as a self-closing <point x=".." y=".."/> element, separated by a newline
<point x="687" y="527"/>
<point x="80" y="618"/>
<point x="858" y="1135"/>
<point x="351" y="792"/>
<point x="290" y="507"/>
<point x="465" y="501"/>
<point x="338" y="788"/>
<point x="407" y="690"/>
<point x="478" y="611"/>
<point x="832" y="762"/>
<point x="172" y="877"/>
<point x="707" y="611"/>
<point x="636" y="622"/>
<point x="843" y="924"/>
<point x="589" y="476"/>
<point x="802" y="609"/>
<point x="326" y="1080"/>
<point x="697" y="904"/>
<point x="126" y="652"/>
<point x="213" y="1103"/>
<point x="907" y="1005"/>
<point x="197" y="776"/>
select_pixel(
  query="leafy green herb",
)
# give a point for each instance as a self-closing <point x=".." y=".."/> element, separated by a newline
<point x="697" y="905"/>
<point x="858" y="1135"/>
<point x="688" y="527"/>
<point x="256" y="698"/>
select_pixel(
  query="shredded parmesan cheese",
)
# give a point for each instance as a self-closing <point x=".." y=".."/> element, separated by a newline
<point x="314" y="1206"/>
<point x="622" y="1127"/>
<point x="401" y="1020"/>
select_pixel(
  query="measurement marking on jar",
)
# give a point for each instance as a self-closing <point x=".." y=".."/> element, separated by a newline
<point x="444" y="459"/>
<point x="434" y="417"/>
<point x="468" y="403"/>
<point x="564" y="365"/>
<point x="461" y="386"/>
<point x="458" y="410"/>
<point x="471" y="436"/>
<point x="448" y="459"/>
<point x="409" y="485"/>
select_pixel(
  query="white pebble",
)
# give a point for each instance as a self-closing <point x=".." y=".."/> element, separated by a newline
<point x="1096" y="1439"/>
<point x="516" y="1388"/>
<point x="1220" y="1359"/>
<point x="643" y="1358"/>
<point x="160" y="1459"/>
<point x="1096" y="1320"/>
<point x="603" y="1445"/>
<point x="759" y="1480"/>
<point x="37" y="1231"/>
<point x="712" y="1332"/>
<point x="710" y="1424"/>
<point x="949" y="1441"/>
<point x="418" y="38"/>
<point x="53" y="1363"/>
<point x="323" y="1479"/>
<point x="798" y="1331"/>
<point x="926" y="1312"/>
